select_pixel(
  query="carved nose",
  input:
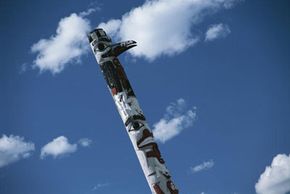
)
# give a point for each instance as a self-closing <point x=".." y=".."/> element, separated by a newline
<point x="101" y="46"/>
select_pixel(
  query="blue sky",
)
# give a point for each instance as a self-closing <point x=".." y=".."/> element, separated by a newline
<point x="219" y="68"/>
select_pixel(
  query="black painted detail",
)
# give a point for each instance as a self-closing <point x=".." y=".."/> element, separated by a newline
<point x="90" y="38"/>
<point x="101" y="46"/>
<point x="153" y="173"/>
<point x="116" y="77"/>
<point x="135" y="126"/>
<point x="134" y="117"/>
<point x="123" y="77"/>
<point x="111" y="76"/>
<point x="99" y="35"/>
<point x="121" y="47"/>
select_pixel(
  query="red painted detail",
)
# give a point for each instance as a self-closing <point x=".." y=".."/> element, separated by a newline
<point x="155" y="153"/>
<point x="146" y="133"/>
<point x="157" y="189"/>
<point x="171" y="187"/>
<point x="114" y="91"/>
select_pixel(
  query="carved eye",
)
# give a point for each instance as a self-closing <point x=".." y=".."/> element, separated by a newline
<point x="101" y="46"/>
<point x="136" y="125"/>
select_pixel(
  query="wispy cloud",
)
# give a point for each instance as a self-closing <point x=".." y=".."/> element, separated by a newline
<point x="89" y="11"/>
<point x="66" y="46"/>
<point x="276" y="178"/>
<point x="100" y="185"/>
<point x="85" y="142"/>
<point x="217" y="31"/>
<point x="14" y="148"/>
<point x="23" y="68"/>
<point x="203" y="166"/>
<point x="163" y="27"/>
<point x="175" y="120"/>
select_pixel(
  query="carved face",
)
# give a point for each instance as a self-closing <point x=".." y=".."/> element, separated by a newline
<point x="100" y="43"/>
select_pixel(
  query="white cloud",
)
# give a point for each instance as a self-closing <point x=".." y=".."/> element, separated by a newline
<point x="217" y="31"/>
<point x="58" y="147"/>
<point x="85" y="142"/>
<point x="14" y="148"/>
<point x="163" y="27"/>
<point x="66" y="46"/>
<point x="174" y="121"/>
<point x="204" y="166"/>
<point x="276" y="178"/>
